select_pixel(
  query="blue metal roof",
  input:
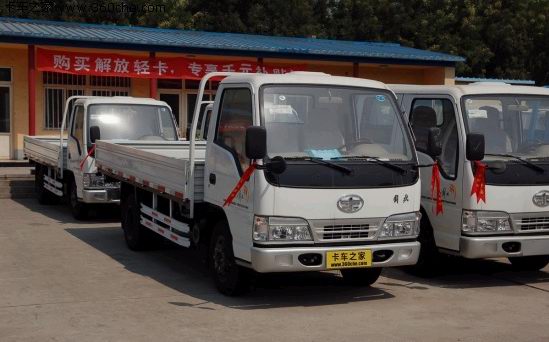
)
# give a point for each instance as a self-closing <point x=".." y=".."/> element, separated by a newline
<point x="481" y="79"/>
<point x="42" y="32"/>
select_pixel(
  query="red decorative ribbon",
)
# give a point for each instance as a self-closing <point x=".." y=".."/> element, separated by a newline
<point x="245" y="177"/>
<point x="90" y="152"/>
<point x="479" y="182"/>
<point x="435" y="188"/>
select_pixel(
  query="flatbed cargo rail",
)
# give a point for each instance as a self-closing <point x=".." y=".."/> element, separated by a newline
<point x="160" y="166"/>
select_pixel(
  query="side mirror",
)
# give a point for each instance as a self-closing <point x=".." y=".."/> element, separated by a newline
<point x="256" y="142"/>
<point x="95" y="134"/>
<point x="434" y="144"/>
<point x="276" y="165"/>
<point x="474" y="148"/>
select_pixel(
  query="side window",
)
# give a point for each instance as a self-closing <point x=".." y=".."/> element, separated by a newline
<point x="78" y="127"/>
<point x="235" y="115"/>
<point x="207" y="117"/>
<point x="427" y="113"/>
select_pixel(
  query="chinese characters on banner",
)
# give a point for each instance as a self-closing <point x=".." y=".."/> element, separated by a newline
<point x="103" y="64"/>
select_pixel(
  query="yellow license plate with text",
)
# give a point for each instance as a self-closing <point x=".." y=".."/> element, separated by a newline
<point x="349" y="259"/>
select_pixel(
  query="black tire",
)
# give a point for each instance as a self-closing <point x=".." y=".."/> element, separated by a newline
<point x="43" y="195"/>
<point x="529" y="263"/>
<point x="429" y="260"/>
<point x="230" y="279"/>
<point x="137" y="237"/>
<point x="361" y="276"/>
<point x="79" y="210"/>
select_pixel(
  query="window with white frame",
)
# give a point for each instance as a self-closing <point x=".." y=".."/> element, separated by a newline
<point x="187" y="90"/>
<point x="58" y="87"/>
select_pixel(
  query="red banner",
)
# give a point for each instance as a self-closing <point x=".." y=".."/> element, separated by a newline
<point x="107" y="64"/>
<point x="479" y="182"/>
<point x="245" y="177"/>
<point x="436" y="194"/>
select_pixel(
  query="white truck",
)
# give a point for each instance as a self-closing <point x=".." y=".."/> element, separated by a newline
<point x="499" y="127"/>
<point x="336" y="185"/>
<point x="65" y="167"/>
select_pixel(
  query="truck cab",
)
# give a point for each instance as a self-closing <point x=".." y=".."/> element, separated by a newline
<point x="71" y="172"/>
<point x="499" y="127"/>
<point x="349" y="169"/>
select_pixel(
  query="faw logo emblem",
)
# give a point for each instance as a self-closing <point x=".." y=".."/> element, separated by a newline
<point x="350" y="203"/>
<point x="541" y="199"/>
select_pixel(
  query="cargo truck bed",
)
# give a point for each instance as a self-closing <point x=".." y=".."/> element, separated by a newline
<point x="160" y="165"/>
<point x="44" y="149"/>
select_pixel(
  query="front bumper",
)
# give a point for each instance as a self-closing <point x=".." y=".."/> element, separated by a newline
<point x="495" y="247"/>
<point x="286" y="259"/>
<point x="101" y="195"/>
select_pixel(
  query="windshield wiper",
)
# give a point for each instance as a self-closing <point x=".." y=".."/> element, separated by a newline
<point x="375" y="160"/>
<point x="538" y="158"/>
<point x="525" y="162"/>
<point x="322" y="162"/>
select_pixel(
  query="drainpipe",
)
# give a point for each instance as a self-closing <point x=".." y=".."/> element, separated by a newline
<point x="153" y="82"/>
<point x="355" y="69"/>
<point x="32" y="90"/>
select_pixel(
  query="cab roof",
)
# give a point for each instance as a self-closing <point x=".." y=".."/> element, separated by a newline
<point x="457" y="91"/>
<point x="88" y="100"/>
<point x="303" y="77"/>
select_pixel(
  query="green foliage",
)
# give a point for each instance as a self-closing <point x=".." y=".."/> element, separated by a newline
<point x="499" y="38"/>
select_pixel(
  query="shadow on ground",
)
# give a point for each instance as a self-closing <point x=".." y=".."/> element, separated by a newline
<point x="461" y="273"/>
<point x="186" y="272"/>
<point x="62" y="213"/>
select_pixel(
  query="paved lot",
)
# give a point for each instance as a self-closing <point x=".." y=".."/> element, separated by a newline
<point x="61" y="280"/>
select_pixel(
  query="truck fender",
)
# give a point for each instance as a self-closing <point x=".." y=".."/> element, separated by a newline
<point x="426" y="233"/>
<point x="68" y="177"/>
<point x="211" y="215"/>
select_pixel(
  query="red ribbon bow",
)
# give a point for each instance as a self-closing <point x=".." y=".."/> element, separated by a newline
<point x="479" y="182"/>
<point x="435" y="188"/>
<point x="90" y="152"/>
<point x="245" y="177"/>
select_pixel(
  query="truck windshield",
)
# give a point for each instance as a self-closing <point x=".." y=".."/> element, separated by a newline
<point x="516" y="125"/>
<point x="132" y="122"/>
<point x="333" y="122"/>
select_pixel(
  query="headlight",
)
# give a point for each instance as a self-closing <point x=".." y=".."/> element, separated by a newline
<point x="399" y="226"/>
<point x="485" y="222"/>
<point x="93" y="180"/>
<point x="280" y="229"/>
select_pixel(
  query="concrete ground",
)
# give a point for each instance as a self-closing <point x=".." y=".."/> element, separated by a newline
<point x="62" y="280"/>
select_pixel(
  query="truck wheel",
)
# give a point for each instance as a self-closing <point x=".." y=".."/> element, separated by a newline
<point x="138" y="237"/>
<point x="230" y="279"/>
<point x="43" y="195"/>
<point x="79" y="210"/>
<point x="361" y="276"/>
<point x="529" y="263"/>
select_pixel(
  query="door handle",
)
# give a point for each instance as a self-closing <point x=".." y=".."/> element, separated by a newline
<point x="212" y="178"/>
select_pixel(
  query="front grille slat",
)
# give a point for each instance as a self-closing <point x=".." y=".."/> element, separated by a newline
<point x="346" y="230"/>
<point x="533" y="223"/>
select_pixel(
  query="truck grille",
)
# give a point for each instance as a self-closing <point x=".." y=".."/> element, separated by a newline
<point x="345" y="230"/>
<point x="528" y="223"/>
<point x="534" y="223"/>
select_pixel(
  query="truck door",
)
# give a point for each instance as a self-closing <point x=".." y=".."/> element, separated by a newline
<point x="76" y="146"/>
<point x="226" y="162"/>
<point x="428" y="111"/>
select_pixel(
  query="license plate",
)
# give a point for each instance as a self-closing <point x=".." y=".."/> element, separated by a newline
<point x="349" y="259"/>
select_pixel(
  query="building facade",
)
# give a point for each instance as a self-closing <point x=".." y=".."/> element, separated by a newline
<point x="42" y="63"/>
